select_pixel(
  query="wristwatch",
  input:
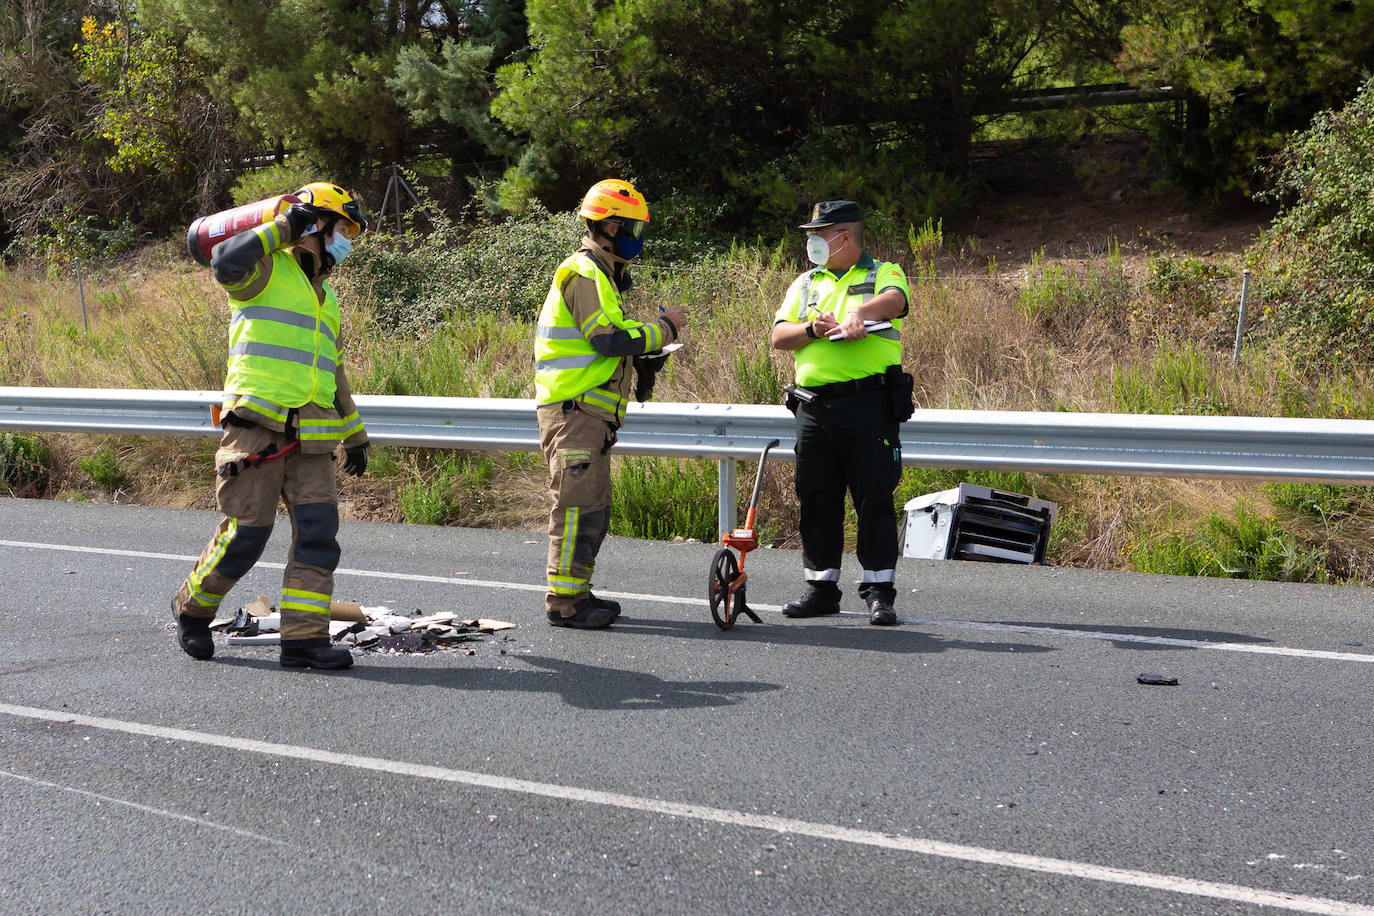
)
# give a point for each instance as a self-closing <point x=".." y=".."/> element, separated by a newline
<point x="811" y="329"/>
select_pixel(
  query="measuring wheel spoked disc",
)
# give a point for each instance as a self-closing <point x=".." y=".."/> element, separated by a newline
<point x="724" y="569"/>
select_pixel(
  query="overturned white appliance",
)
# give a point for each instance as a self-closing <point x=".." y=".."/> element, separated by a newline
<point x="972" y="522"/>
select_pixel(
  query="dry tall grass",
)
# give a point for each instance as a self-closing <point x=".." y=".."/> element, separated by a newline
<point x="1090" y="335"/>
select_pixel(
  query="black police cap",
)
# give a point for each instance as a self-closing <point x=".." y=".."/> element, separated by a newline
<point x="830" y="212"/>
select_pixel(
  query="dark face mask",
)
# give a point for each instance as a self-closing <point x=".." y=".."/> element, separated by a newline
<point x="629" y="241"/>
<point x="627" y="246"/>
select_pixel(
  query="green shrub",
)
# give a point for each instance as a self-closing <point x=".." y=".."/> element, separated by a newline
<point x="103" y="468"/>
<point x="274" y="180"/>
<point x="1248" y="546"/>
<point x="1177" y="381"/>
<point x="436" y="498"/>
<point x="439" y="268"/>
<point x="1316" y="499"/>
<point x="1188" y="283"/>
<point x="25" y="463"/>
<point x="1323" y="240"/>
<point x="756" y="379"/>
<point x="663" y="498"/>
<point x="76" y="236"/>
<point x="1174" y="555"/>
<point x="1062" y="300"/>
<point x="417" y="280"/>
<point x="382" y="462"/>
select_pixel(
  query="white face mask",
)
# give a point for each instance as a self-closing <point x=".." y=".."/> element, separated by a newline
<point x="817" y="250"/>
<point x="338" y="246"/>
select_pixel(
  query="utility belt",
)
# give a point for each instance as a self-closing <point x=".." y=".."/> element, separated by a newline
<point x="269" y="453"/>
<point x="898" y="385"/>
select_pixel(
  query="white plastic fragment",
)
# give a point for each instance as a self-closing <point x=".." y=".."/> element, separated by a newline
<point x="262" y="639"/>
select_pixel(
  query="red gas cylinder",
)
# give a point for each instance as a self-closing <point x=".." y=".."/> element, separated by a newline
<point x="208" y="231"/>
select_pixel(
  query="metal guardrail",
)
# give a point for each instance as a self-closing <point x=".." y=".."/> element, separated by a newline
<point x="1258" y="448"/>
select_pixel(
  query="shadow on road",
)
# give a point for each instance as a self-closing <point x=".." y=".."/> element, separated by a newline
<point x="1148" y="633"/>
<point x="832" y="632"/>
<point x="581" y="686"/>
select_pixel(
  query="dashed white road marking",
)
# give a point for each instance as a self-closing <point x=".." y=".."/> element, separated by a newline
<point x="935" y="622"/>
<point x="826" y="832"/>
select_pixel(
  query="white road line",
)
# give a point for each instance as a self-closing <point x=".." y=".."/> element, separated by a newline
<point x="160" y="812"/>
<point x="827" y="832"/>
<point x="938" y="622"/>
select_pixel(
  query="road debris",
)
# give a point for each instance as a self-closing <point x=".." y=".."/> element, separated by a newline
<point x="1161" y="680"/>
<point x="376" y="629"/>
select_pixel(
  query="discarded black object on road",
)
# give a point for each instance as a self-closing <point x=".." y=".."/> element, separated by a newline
<point x="245" y="624"/>
<point x="1157" y="679"/>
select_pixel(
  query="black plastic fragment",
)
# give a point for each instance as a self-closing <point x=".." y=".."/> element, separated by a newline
<point x="1158" y="679"/>
<point x="245" y="624"/>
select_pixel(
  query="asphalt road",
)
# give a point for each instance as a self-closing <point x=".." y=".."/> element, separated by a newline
<point x="993" y="754"/>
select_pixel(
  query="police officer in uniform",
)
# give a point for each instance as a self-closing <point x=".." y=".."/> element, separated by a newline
<point x="587" y="359"/>
<point x="287" y="408"/>
<point x="849" y="397"/>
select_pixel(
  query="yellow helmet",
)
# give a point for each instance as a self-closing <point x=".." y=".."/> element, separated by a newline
<point x="613" y="197"/>
<point x="331" y="197"/>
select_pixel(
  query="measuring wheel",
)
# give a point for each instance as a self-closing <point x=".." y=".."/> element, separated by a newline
<point x="725" y="587"/>
<point x="726" y="596"/>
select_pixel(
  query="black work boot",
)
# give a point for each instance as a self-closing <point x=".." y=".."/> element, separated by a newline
<point x="194" y="634"/>
<point x="881" y="613"/>
<point x="313" y="656"/>
<point x="817" y="602"/>
<point x="607" y="603"/>
<point x="587" y="616"/>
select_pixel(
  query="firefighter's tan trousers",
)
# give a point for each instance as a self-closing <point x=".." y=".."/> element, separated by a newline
<point x="249" y="503"/>
<point x="576" y="447"/>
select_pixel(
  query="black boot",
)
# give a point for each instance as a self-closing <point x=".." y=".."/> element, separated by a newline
<point x="316" y="656"/>
<point x="817" y="602"/>
<point x="194" y="634"/>
<point x="587" y="616"/>
<point x="607" y="603"/>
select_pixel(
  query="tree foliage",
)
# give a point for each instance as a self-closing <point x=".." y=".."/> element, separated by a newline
<point x="1255" y="72"/>
<point x="115" y="127"/>
<point x="749" y="108"/>
<point x="793" y="100"/>
<point x="1323" y="239"/>
<point x="345" y="81"/>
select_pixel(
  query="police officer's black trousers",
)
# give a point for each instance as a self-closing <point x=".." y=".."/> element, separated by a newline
<point x="849" y="442"/>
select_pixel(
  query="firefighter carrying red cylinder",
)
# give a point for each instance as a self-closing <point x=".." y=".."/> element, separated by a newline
<point x="287" y="408"/>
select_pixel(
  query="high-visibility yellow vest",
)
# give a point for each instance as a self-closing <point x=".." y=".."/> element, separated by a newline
<point x="282" y="342"/>
<point x="818" y="291"/>
<point x="566" y="366"/>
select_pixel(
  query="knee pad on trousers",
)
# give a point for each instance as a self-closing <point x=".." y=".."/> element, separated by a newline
<point x="243" y="551"/>
<point x="317" y="527"/>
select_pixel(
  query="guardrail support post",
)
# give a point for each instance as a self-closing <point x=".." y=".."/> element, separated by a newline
<point x="81" y="287"/>
<point x="726" y="511"/>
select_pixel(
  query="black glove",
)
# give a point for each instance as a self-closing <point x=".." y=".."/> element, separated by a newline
<point x="301" y="218"/>
<point x="233" y="419"/>
<point x="646" y="368"/>
<point x="355" y="460"/>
